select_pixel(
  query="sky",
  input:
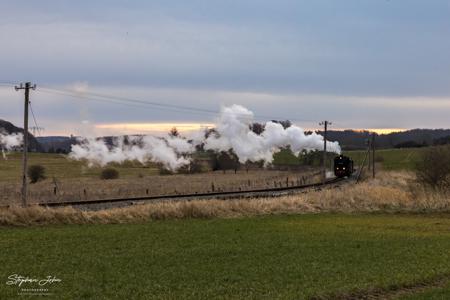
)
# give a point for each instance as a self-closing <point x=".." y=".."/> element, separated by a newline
<point x="363" y="64"/>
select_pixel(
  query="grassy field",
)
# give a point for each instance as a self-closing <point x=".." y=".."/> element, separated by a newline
<point x="288" y="257"/>
<point x="71" y="189"/>
<point x="76" y="181"/>
<point x="388" y="159"/>
<point x="391" y="159"/>
<point x="57" y="165"/>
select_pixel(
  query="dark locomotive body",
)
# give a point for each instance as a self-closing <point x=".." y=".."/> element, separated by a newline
<point x="343" y="166"/>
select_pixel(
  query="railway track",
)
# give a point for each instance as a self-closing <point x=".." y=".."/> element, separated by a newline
<point x="257" y="193"/>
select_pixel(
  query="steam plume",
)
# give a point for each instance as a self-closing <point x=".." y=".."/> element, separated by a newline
<point x="168" y="151"/>
<point x="232" y="133"/>
<point x="9" y="142"/>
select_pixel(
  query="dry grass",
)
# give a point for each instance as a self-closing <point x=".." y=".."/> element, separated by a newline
<point x="391" y="193"/>
<point x="91" y="188"/>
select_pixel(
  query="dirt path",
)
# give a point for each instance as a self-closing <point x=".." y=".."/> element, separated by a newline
<point x="392" y="292"/>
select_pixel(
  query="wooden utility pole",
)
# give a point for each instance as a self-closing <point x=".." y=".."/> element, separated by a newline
<point x="27" y="88"/>
<point x="324" y="164"/>
<point x="373" y="154"/>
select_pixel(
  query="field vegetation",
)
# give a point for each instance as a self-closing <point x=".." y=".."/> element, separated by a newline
<point x="392" y="192"/>
<point x="69" y="180"/>
<point x="384" y="238"/>
<point x="327" y="256"/>
<point x="391" y="159"/>
<point x="387" y="159"/>
<point x="433" y="169"/>
<point x="58" y="166"/>
<point x="73" y="189"/>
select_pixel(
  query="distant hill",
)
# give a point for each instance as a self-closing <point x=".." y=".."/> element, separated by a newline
<point x="57" y="144"/>
<point x="9" y="128"/>
<point x="350" y="139"/>
<point x="63" y="144"/>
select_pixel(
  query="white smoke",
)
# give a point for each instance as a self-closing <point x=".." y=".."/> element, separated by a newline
<point x="170" y="151"/>
<point x="10" y="141"/>
<point x="232" y="133"/>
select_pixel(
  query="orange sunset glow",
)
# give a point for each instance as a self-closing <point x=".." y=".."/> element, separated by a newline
<point x="135" y="128"/>
<point x="164" y="127"/>
<point x="380" y="130"/>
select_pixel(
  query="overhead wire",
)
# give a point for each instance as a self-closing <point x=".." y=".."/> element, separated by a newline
<point x="132" y="100"/>
<point x="112" y="101"/>
<point x="170" y="107"/>
<point x="34" y="119"/>
<point x="2" y="83"/>
<point x="92" y="96"/>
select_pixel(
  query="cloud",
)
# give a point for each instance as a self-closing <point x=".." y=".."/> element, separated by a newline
<point x="291" y="59"/>
<point x="63" y="115"/>
<point x="352" y="48"/>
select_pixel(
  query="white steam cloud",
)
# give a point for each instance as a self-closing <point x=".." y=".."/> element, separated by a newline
<point x="232" y="133"/>
<point x="9" y="142"/>
<point x="169" y="151"/>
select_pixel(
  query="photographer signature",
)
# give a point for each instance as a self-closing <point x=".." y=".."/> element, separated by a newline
<point x="18" y="280"/>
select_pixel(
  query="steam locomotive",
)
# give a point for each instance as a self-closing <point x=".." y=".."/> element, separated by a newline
<point x="343" y="166"/>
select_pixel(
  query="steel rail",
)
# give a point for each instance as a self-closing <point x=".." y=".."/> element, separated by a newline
<point x="230" y="194"/>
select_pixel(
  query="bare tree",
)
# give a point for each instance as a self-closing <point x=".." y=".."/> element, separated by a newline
<point x="257" y="128"/>
<point x="228" y="161"/>
<point x="433" y="169"/>
<point x="174" y="132"/>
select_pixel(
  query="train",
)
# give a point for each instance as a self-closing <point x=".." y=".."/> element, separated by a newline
<point x="343" y="166"/>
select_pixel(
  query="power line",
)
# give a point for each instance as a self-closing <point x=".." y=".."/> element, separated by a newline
<point x="126" y="99"/>
<point x="140" y="103"/>
<point x="115" y="102"/>
<point x="9" y="84"/>
<point x="165" y="106"/>
<point x="35" y="122"/>
<point x="168" y="107"/>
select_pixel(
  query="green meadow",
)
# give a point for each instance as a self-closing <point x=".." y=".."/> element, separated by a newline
<point x="282" y="257"/>
<point x="391" y="159"/>
<point x="61" y="167"/>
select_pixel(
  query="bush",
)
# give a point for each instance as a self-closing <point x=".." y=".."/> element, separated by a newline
<point x="109" y="173"/>
<point x="36" y="173"/>
<point x="194" y="166"/>
<point x="228" y="161"/>
<point x="410" y="144"/>
<point x="433" y="169"/>
<point x="164" y="171"/>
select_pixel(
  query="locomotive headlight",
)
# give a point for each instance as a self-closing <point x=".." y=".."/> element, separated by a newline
<point x="343" y="168"/>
